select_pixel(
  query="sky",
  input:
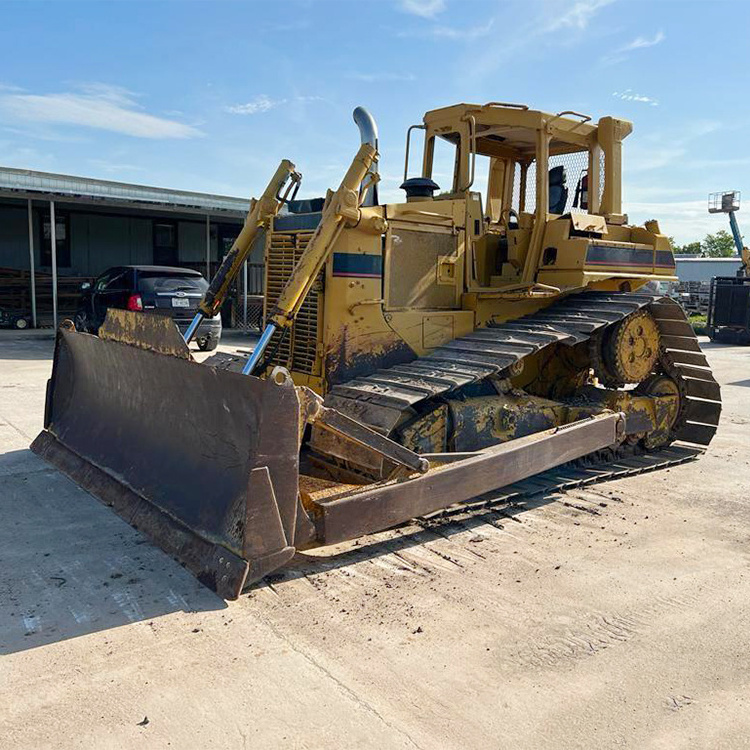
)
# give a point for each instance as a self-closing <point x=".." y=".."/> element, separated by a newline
<point x="210" y="96"/>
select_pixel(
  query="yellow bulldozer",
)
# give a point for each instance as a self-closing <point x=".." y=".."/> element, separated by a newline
<point x="415" y="355"/>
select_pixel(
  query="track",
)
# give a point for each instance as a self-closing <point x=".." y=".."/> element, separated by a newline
<point x="382" y="397"/>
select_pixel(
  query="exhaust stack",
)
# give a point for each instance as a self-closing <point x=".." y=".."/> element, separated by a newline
<point x="368" y="133"/>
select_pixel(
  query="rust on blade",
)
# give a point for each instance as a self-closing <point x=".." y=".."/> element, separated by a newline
<point x="157" y="333"/>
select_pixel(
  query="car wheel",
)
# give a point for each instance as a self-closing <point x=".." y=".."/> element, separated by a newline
<point x="81" y="321"/>
<point x="22" y="323"/>
<point x="207" y="343"/>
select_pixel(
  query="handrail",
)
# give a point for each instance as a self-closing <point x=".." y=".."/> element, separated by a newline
<point x="585" y="118"/>
<point x="408" y="141"/>
<point x="472" y="148"/>
<point x="507" y="105"/>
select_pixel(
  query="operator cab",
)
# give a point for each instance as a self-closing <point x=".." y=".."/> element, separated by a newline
<point x="517" y="168"/>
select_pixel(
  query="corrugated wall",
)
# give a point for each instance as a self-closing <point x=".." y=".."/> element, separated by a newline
<point x="704" y="269"/>
<point x="14" y="238"/>
<point x="98" y="241"/>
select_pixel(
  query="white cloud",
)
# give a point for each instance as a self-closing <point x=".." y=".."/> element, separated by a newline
<point x="263" y="103"/>
<point x="422" y="8"/>
<point x="665" y="181"/>
<point x="114" y="168"/>
<point x="24" y="157"/>
<point x="684" y="220"/>
<point x="577" y="16"/>
<point x="645" y="159"/>
<point x="642" y="41"/>
<point x="536" y="34"/>
<point x="630" y="96"/>
<point x="382" y="77"/>
<point x="451" y="32"/>
<point x="260" y="103"/>
<point x="94" y="105"/>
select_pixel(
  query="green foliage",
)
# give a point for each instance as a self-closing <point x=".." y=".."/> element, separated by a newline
<point x="692" y="248"/>
<point x="699" y="324"/>
<point x="719" y="245"/>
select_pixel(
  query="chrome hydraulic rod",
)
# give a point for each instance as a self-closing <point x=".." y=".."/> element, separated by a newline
<point x="281" y="189"/>
<point x="341" y="209"/>
<point x="193" y="327"/>
<point x="257" y="353"/>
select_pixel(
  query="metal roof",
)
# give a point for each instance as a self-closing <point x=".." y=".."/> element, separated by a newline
<point x="706" y="259"/>
<point x="29" y="183"/>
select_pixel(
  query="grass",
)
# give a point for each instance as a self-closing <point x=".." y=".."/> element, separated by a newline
<point x="699" y="324"/>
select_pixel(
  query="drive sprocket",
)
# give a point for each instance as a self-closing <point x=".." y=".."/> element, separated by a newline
<point x="629" y="350"/>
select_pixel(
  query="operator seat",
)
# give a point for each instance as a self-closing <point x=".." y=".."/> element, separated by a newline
<point x="558" y="190"/>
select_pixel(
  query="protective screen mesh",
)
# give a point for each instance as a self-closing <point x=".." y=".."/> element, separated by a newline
<point x="576" y="165"/>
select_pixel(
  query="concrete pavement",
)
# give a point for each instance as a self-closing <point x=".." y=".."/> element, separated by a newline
<point x="614" y="616"/>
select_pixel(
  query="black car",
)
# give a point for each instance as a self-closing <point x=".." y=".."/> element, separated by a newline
<point x="163" y="290"/>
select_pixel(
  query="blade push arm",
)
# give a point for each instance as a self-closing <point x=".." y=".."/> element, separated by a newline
<point x="341" y="210"/>
<point x="260" y="213"/>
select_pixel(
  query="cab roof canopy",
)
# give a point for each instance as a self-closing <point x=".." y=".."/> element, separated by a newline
<point x="510" y="130"/>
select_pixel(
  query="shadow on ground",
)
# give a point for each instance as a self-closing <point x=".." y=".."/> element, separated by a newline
<point x="70" y="566"/>
<point x="499" y="513"/>
<point x="19" y="349"/>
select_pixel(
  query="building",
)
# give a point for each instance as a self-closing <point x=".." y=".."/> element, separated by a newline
<point x="57" y="231"/>
<point x="692" y="268"/>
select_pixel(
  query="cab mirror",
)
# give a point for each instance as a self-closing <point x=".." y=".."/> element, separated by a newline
<point x="85" y="286"/>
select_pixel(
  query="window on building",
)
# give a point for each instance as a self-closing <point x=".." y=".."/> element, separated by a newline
<point x="165" y="243"/>
<point x="62" y="240"/>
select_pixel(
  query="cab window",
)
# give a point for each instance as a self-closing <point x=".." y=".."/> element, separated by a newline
<point x="445" y="155"/>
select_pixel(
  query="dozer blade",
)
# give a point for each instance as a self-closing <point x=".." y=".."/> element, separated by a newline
<point x="203" y="461"/>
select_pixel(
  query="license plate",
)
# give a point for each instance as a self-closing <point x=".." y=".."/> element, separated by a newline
<point x="180" y="302"/>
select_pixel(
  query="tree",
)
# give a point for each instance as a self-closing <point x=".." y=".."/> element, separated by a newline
<point x="719" y="245"/>
<point x="691" y="248"/>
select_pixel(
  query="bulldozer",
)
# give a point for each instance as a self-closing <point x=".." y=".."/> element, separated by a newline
<point x="497" y="325"/>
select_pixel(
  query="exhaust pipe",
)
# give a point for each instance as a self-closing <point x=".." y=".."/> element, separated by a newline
<point x="368" y="133"/>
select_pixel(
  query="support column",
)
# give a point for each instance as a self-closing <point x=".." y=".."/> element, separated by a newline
<point x="244" y="300"/>
<point x="32" y="264"/>
<point x="594" y="179"/>
<point x="611" y="132"/>
<point x="522" y="187"/>
<point x="53" y="243"/>
<point x="208" y="248"/>
<point x="534" y="252"/>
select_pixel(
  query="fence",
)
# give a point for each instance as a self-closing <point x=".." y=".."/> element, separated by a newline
<point x="246" y="306"/>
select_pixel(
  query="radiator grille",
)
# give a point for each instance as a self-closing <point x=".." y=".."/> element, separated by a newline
<point x="298" y="348"/>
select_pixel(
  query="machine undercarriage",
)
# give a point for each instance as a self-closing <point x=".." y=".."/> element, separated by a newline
<point x="628" y="353"/>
